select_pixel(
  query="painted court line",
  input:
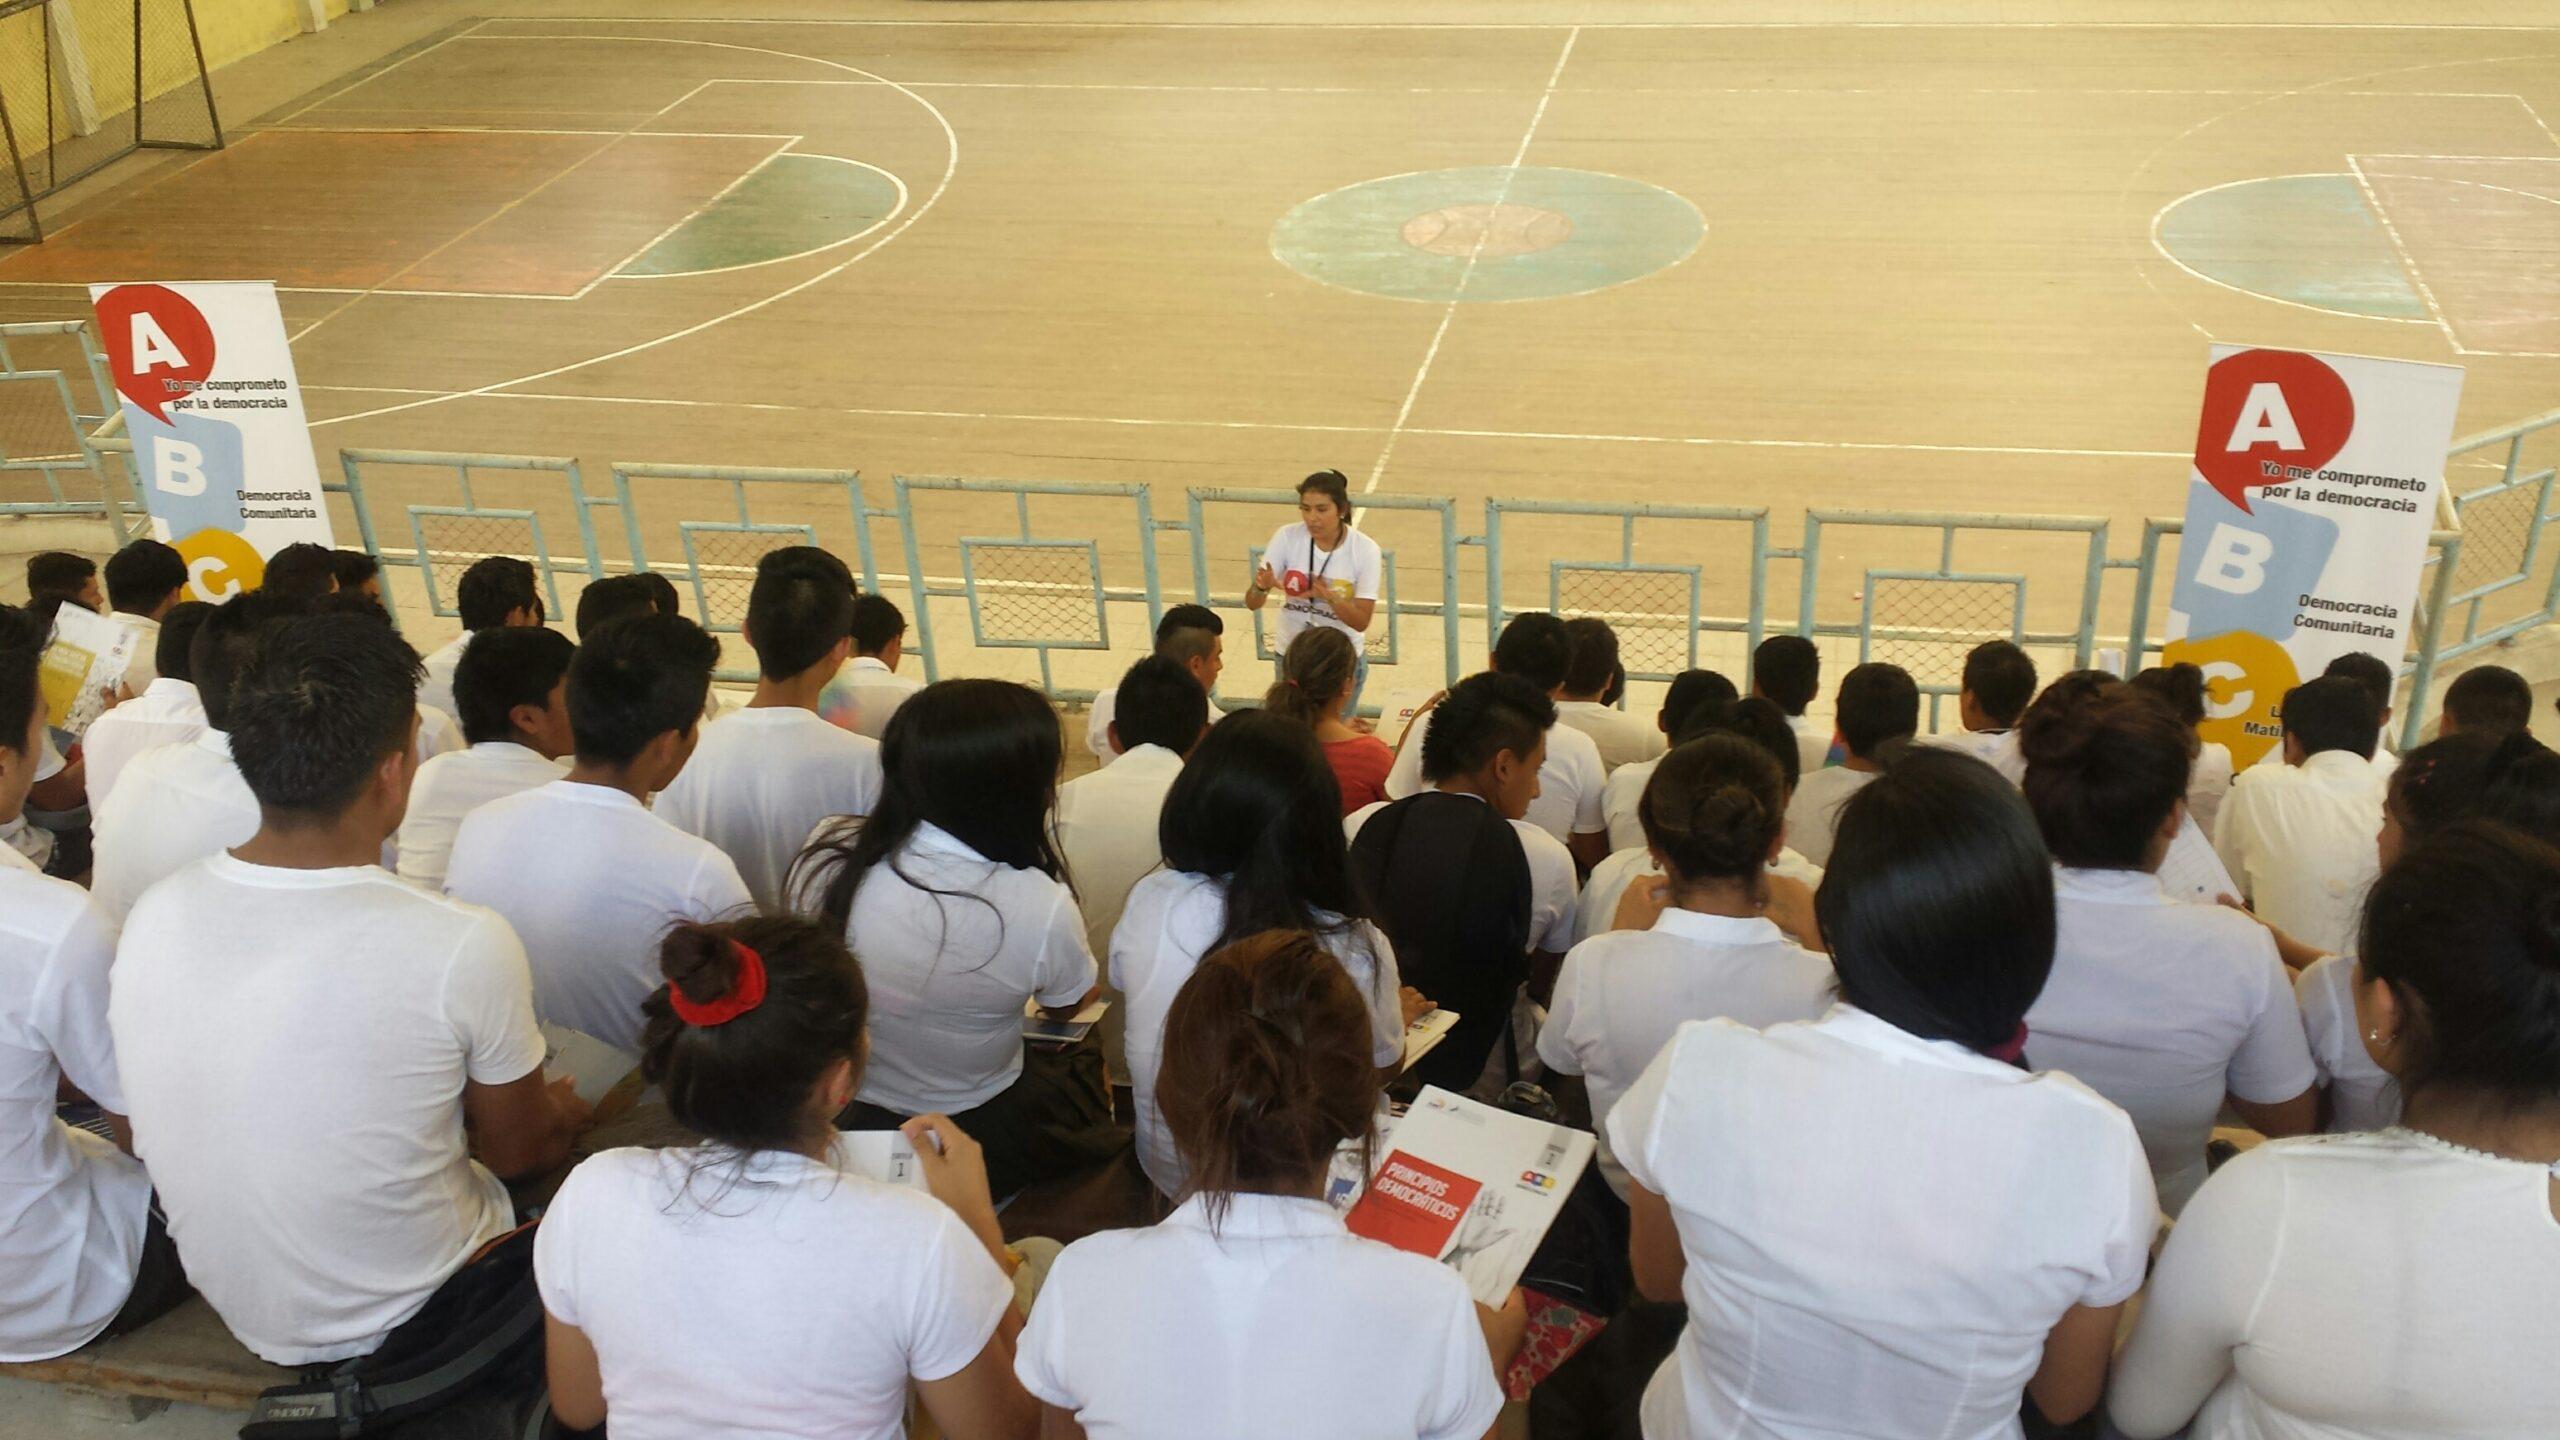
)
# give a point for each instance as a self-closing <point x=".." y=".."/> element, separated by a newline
<point x="2408" y="262"/>
<point x="1458" y="296"/>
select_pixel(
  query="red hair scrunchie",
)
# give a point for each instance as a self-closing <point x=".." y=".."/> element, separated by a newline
<point x="745" y="993"/>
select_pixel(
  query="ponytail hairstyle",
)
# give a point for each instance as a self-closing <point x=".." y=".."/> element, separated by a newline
<point x="2104" y="775"/>
<point x="1714" y="809"/>
<point x="2465" y="929"/>
<point x="743" y="1082"/>
<point x="2181" y="685"/>
<point x="1258" y="808"/>
<point x="1314" y="674"/>
<point x="1267" y="1069"/>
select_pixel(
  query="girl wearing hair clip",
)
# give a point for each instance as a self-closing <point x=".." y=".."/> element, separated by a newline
<point x="759" y="1283"/>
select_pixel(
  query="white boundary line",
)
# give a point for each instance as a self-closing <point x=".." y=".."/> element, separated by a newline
<point x="2408" y="262"/>
<point x="1458" y="296"/>
<point x="2538" y="122"/>
<point x="364" y="80"/>
<point x="894" y="212"/>
<point x="2162" y="214"/>
<point x="2375" y="201"/>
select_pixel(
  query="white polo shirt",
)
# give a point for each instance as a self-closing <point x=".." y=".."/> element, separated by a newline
<point x="72" y="1206"/>
<point x="1622" y="738"/>
<point x="1813" y="812"/>
<point x="864" y="694"/>
<point x="1107" y="823"/>
<point x="948" y="972"/>
<point x="294" y="1046"/>
<point x="1813" y="743"/>
<point x="2352" y="1287"/>
<point x="2299" y="842"/>
<point x="454" y="784"/>
<point x="1106" y="708"/>
<point x="1174" y="918"/>
<point x="1276" y="1324"/>
<point x="761" y="780"/>
<point x="172" y="806"/>
<point x="1622" y="994"/>
<point x="1570" y="784"/>
<point x="2362" y="1095"/>
<point x="590" y="881"/>
<point x="2165" y="1009"/>
<point x="438" y="734"/>
<point x="2208" y="784"/>
<point x="798" y="1302"/>
<point x="1620" y="802"/>
<point x="1354" y="569"/>
<point x="1554" y="890"/>
<point x="1611" y="877"/>
<point x="1881" y="1230"/>
<point x="1995" y="748"/>
<point x="168" y="712"/>
<point x="144" y="667"/>
<point x="437" y="688"/>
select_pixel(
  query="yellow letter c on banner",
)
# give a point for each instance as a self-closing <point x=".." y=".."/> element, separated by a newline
<point x="220" y="564"/>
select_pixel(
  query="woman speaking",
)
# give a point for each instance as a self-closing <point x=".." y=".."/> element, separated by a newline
<point x="1327" y="573"/>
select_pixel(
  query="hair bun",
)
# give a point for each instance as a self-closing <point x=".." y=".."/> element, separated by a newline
<point x="700" y="960"/>
<point x="2060" y="733"/>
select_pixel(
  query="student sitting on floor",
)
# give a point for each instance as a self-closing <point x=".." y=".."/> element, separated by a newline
<point x="1716" y="815"/>
<point x="1881" y="1222"/>
<point x="177" y="804"/>
<point x="1999" y="680"/>
<point x="765" y="775"/>
<point x="1878" y="706"/>
<point x="496" y="592"/>
<point x="1694" y="699"/>
<point x="1252" y="837"/>
<point x="1314" y="689"/>
<point x="761" y="1282"/>
<point x="513" y="686"/>
<point x="2399" y="1285"/>
<point x="1251" y="1313"/>
<point x="167" y="712"/>
<point x="869" y="689"/>
<point x="2170" y="1010"/>
<point x="329" y="1070"/>
<point x="1536" y="648"/>
<point x="588" y="878"/>
<point x="954" y="895"/>
<point x="83" y="1251"/>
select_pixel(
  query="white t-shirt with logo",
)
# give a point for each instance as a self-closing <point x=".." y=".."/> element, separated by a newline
<point x="590" y="882"/>
<point x="770" y="1297"/>
<point x="294" y="1045"/>
<point x="172" y="807"/>
<point x="761" y="780"/>
<point x="1352" y="570"/>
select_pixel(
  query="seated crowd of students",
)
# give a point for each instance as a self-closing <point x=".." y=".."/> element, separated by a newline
<point x="1904" y="1061"/>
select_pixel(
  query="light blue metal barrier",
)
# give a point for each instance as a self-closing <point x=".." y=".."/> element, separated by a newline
<point x="446" y="533"/>
<point x="1043" y="587"/>
<point x="51" y="420"/>
<point x="765" y="509"/>
<point x="1657" y="605"/>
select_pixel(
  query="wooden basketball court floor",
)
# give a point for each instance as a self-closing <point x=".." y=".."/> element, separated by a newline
<point x="1617" y="253"/>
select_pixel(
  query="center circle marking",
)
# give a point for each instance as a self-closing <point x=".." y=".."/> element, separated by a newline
<point x="1501" y="231"/>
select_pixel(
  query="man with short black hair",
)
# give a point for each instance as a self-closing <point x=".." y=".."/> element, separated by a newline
<point x="611" y="598"/>
<point x="1190" y="635"/>
<point x="498" y="590"/>
<point x="1536" y="647"/>
<point x="766" y="776"/>
<point x="167" y="712"/>
<point x="360" y="574"/>
<point x="589" y="878"/>
<point x="2382" y="683"/>
<point x="302" y="569"/>
<point x="2298" y="837"/>
<point x="512" y="686"/>
<point x="1999" y="681"/>
<point x="175" y="805"/>
<point x="1786" y="671"/>
<point x="1107" y="820"/>
<point x="330" y="1070"/>
<point x="869" y="689"/>
<point x="59" y="574"/>
<point x="1595" y="672"/>
<point x="2488" y="700"/>
<point x="144" y="580"/>
<point x="1879" y="707"/>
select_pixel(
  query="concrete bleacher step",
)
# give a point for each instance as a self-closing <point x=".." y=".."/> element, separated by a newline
<point x="186" y="1355"/>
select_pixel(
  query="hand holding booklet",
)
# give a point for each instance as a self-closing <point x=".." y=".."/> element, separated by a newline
<point x="83" y="664"/>
<point x="1471" y="1186"/>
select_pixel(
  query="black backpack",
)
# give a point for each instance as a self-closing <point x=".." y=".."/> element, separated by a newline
<point x="1450" y="883"/>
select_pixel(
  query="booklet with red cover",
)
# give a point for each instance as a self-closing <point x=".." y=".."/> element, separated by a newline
<point x="1466" y="1184"/>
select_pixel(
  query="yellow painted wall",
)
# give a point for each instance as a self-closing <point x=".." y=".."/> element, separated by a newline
<point x="229" y="30"/>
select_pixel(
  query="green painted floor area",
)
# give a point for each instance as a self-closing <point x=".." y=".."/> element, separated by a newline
<point x="792" y="205"/>
<point x="2310" y="239"/>
<point x="1597" y="231"/>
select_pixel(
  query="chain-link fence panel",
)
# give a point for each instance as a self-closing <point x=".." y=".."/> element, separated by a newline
<point x="1653" y="609"/>
<point x="1928" y="623"/>
<point x="449" y="541"/>
<point x="720" y="565"/>
<point x="84" y="83"/>
<point x="1035" y="593"/>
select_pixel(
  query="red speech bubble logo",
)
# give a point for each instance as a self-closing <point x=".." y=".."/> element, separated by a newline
<point x="157" y="342"/>
<point x="2264" y="408"/>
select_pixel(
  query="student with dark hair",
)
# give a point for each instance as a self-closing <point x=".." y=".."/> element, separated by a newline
<point x="666" y="1274"/>
<point x="769" y="774"/>
<point x="582" y="869"/>
<point x="330" y="1070"/>
<point x="513" y="687"/>
<point x="1314" y="689"/>
<point x="1476" y="898"/>
<point x="2379" y="681"/>
<point x="2489" y="699"/>
<point x="1587" y="704"/>
<point x="1251" y="1313"/>
<point x="1998" y="682"/>
<point x="1326" y="571"/>
<point x="2524" y="787"/>
<point x="2271" y="1312"/>
<point x="1191" y="636"/>
<point x="1879" y="711"/>
<point x="2170" y="1010"/>
<point x="1786" y="670"/>
<point x="1252" y="841"/>
<point x="167" y="712"/>
<point x="1534" y="647"/>
<point x="1107" y="819"/>
<point x="612" y="598"/>
<point x="178" y="803"/>
<point x="83" y="1255"/>
<point x="2181" y="687"/>
<point x="61" y="575"/>
<point x="1694" y="700"/>
<point x="359" y="574"/>
<point x="145" y="581"/>
<point x="1714" y="819"/>
<point x="303" y="570"/>
<point x="496" y="592"/>
<point x="869" y="689"/>
<point x="954" y="893"/>
<point x="1946" y="1228"/>
<point x="2297" y="838"/>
